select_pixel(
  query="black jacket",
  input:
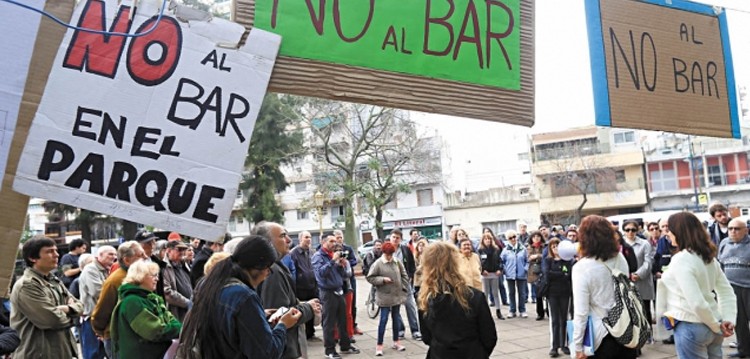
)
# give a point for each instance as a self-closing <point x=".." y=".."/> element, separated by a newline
<point x="196" y="270"/>
<point x="490" y="258"/>
<point x="558" y="276"/>
<point x="629" y="254"/>
<point x="305" y="273"/>
<point x="453" y="333"/>
<point x="408" y="261"/>
<point x="9" y="340"/>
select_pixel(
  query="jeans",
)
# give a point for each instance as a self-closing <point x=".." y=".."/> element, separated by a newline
<point x="697" y="341"/>
<point x="503" y="291"/>
<point x="109" y="348"/>
<point x="517" y="286"/>
<point x="411" y="314"/>
<point x="91" y="346"/>
<point x="396" y="316"/>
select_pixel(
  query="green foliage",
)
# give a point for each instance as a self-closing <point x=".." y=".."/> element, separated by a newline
<point x="271" y="146"/>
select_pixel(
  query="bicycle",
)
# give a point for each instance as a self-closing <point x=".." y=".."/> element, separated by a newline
<point x="372" y="308"/>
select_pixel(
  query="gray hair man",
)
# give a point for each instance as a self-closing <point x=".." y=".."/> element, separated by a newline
<point x="734" y="256"/>
<point x="277" y="290"/>
<point x="90" y="286"/>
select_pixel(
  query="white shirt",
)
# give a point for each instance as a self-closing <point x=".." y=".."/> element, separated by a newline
<point x="685" y="292"/>
<point x="593" y="294"/>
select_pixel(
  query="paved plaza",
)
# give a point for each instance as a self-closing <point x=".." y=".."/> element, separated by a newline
<point x="517" y="338"/>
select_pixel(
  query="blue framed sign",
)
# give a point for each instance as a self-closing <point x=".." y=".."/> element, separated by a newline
<point x="662" y="65"/>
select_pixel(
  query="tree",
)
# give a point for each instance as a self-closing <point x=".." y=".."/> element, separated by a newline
<point x="84" y="219"/>
<point x="579" y="170"/>
<point x="362" y="150"/>
<point x="274" y="142"/>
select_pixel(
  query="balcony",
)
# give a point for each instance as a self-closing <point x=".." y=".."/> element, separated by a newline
<point x="587" y="162"/>
<point x="630" y="193"/>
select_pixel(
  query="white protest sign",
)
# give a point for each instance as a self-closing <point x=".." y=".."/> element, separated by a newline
<point x="153" y="129"/>
<point x="19" y="27"/>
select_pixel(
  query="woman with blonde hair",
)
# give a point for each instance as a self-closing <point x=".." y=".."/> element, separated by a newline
<point x="142" y="327"/>
<point x="454" y="318"/>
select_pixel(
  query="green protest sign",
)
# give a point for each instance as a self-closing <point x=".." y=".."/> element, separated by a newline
<point x="469" y="41"/>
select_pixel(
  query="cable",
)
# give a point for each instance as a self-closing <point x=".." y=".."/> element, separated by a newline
<point x="76" y="28"/>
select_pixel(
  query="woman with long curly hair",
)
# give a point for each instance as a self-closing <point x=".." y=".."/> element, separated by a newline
<point x="454" y="318"/>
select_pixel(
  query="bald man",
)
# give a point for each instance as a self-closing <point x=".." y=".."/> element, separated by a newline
<point x="734" y="256"/>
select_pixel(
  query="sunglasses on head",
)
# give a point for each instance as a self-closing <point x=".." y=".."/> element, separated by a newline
<point x="631" y="230"/>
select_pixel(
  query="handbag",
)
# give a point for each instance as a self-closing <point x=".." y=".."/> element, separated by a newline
<point x="536" y="268"/>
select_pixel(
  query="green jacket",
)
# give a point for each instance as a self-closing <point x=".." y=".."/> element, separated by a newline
<point x="141" y="325"/>
<point x="43" y="329"/>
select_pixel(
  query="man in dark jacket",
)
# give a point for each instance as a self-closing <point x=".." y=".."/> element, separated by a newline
<point x="307" y="287"/>
<point x="177" y="287"/>
<point x="207" y="249"/>
<point x="278" y="291"/>
<point x="330" y="272"/>
<point x="720" y="228"/>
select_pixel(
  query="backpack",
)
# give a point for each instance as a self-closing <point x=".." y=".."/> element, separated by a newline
<point x="626" y="321"/>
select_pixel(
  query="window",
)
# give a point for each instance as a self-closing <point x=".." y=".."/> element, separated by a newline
<point x="336" y="212"/>
<point x="664" y="180"/>
<point x="300" y="187"/>
<point x="240" y="219"/>
<point x="620" y="176"/>
<point x="716" y="176"/>
<point x="232" y="227"/>
<point x="393" y="204"/>
<point x="525" y="191"/>
<point x="239" y="194"/>
<point x="622" y="138"/>
<point x="301" y="214"/>
<point x="523" y="156"/>
<point x="424" y="197"/>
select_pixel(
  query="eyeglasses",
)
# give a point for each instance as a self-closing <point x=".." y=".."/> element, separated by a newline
<point x="512" y="237"/>
<point x="653" y="229"/>
<point x="735" y="228"/>
<point x="631" y="230"/>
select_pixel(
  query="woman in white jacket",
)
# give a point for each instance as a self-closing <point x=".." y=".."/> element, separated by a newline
<point x="685" y="293"/>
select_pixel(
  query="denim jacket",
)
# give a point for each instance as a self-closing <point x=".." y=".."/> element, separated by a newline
<point x="515" y="262"/>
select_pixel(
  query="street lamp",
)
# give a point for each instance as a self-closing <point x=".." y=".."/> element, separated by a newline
<point x="319" y="205"/>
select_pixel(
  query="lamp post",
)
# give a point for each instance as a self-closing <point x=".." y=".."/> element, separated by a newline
<point x="319" y="206"/>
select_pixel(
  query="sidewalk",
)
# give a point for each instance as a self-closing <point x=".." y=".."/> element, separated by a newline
<point x="517" y="338"/>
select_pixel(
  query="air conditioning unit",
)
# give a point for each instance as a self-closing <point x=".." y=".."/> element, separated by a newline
<point x="666" y="151"/>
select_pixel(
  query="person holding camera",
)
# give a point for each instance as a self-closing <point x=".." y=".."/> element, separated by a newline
<point x="330" y="268"/>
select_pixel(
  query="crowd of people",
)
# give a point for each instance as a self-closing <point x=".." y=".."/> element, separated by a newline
<point x="256" y="297"/>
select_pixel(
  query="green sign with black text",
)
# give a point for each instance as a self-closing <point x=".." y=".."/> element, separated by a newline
<point x="468" y="41"/>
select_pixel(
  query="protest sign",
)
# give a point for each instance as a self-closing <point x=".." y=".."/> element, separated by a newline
<point x="458" y="57"/>
<point x="13" y="205"/>
<point x="19" y="27"/>
<point x="153" y="128"/>
<point x="662" y="66"/>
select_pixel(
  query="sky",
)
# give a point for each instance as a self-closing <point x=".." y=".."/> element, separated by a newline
<point x="484" y="151"/>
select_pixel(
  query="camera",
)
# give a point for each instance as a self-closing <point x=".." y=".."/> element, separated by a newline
<point x="343" y="254"/>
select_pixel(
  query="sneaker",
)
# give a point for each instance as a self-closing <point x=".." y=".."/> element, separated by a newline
<point x="398" y="347"/>
<point x="417" y="336"/>
<point x="539" y="318"/>
<point x="733" y="345"/>
<point x="333" y="355"/>
<point x="669" y="341"/>
<point x="401" y="335"/>
<point x="350" y="350"/>
<point x="524" y="315"/>
<point x="379" y="350"/>
<point x="565" y="350"/>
